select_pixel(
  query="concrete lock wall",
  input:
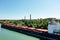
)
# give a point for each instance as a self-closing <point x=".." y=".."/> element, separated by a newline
<point x="0" y="27"/>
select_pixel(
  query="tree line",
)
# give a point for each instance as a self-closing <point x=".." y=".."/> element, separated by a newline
<point x="36" y="23"/>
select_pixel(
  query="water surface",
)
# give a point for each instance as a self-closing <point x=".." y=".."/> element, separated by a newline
<point x="11" y="35"/>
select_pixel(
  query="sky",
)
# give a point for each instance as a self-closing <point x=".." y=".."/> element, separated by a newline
<point x="17" y="9"/>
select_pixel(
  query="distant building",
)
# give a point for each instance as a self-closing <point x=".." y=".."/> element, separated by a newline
<point x="54" y="27"/>
<point x="30" y="16"/>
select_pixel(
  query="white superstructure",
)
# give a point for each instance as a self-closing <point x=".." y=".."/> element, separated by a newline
<point x="54" y="27"/>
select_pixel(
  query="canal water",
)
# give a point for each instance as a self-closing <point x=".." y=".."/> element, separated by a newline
<point x="11" y="35"/>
